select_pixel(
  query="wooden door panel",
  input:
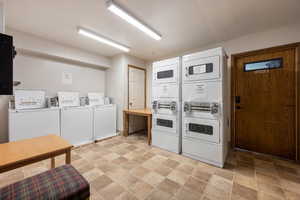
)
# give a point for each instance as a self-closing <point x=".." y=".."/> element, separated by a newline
<point x="265" y="121"/>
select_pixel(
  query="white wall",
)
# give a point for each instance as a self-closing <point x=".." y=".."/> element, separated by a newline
<point x="28" y="43"/>
<point x="270" y="38"/>
<point x="115" y="86"/>
<point x="40" y="73"/>
<point x="43" y="70"/>
<point x="117" y="83"/>
<point x="2" y="18"/>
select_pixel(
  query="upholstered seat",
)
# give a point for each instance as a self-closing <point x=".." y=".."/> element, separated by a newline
<point x="63" y="182"/>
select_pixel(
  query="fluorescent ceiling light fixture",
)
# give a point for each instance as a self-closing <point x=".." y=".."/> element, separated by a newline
<point x="102" y="39"/>
<point x="116" y="9"/>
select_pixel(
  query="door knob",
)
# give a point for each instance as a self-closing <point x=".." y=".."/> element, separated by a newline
<point x="238" y="107"/>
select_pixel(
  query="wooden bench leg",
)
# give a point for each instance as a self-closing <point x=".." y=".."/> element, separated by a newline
<point x="68" y="156"/>
<point x="52" y="162"/>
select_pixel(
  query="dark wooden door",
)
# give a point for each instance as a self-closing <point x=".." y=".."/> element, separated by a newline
<point x="265" y="107"/>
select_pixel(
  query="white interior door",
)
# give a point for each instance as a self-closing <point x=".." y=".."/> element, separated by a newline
<point x="136" y="97"/>
<point x="136" y="88"/>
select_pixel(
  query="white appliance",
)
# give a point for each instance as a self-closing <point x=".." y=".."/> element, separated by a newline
<point x="68" y="99"/>
<point x="30" y="123"/>
<point x="105" y="119"/>
<point x="76" y="121"/>
<point x="30" y="99"/>
<point x="96" y="99"/>
<point x="30" y="117"/>
<point x="166" y="105"/>
<point x="166" y="71"/>
<point x="205" y="121"/>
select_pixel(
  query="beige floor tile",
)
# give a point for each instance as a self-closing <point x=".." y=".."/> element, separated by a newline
<point x="244" y="192"/>
<point x="221" y="183"/>
<point x="126" y="181"/>
<point x="266" y="196"/>
<point x="153" y="178"/>
<point x="107" y="167"/>
<point x="141" y="189"/>
<point x="186" y="168"/>
<point x="100" y="183"/>
<point x="292" y="195"/>
<point x="267" y="179"/>
<point x="178" y="177"/>
<point x="119" y="160"/>
<point x="111" y="156"/>
<point x="139" y="172"/>
<point x="159" y="195"/>
<point x="194" y="184"/>
<point x="163" y="170"/>
<point x="227" y="174"/>
<point x="245" y="170"/>
<point x="169" y="186"/>
<point x="112" y="191"/>
<point x="186" y="194"/>
<point x="127" y="196"/>
<point x="245" y="181"/>
<point x="159" y="159"/>
<point x="271" y="189"/>
<point x="92" y="174"/>
<point x="213" y="193"/>
<point x="150" y="164"/>
<point x="203" y="176"/>
<point x="129" y="164"/>
<point x="171" y="163"/>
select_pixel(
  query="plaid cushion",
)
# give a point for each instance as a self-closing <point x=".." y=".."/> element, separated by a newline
<point x="60" y="183"/>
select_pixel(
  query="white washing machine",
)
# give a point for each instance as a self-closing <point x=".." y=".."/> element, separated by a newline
<point x="30" y="118"/>
<point x="166" y="105"/>
<point x="205" y="120"/>
<point x="76" y="121"/>
<point x="105" y="121"/>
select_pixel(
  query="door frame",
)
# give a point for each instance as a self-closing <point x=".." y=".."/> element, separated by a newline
<point x="234" y="57"/>
<point x="145" y="84"/>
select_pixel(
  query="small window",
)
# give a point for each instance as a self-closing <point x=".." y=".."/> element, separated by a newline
<point x="263" y="65"/>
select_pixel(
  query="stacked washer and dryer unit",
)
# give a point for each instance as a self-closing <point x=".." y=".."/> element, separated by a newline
<point x="204" y="119"/>
<point x="166" y="105"/>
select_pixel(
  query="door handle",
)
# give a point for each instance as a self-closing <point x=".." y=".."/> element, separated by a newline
<point x="238" y="107"/>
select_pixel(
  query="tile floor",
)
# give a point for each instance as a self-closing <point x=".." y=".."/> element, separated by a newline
<point x="128" y="169"/>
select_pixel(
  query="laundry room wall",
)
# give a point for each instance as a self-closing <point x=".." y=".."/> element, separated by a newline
<point x="42" y="64"/>
<point x="117" y="87"/>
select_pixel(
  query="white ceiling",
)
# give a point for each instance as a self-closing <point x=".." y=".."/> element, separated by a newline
<point x="184" y="24"/>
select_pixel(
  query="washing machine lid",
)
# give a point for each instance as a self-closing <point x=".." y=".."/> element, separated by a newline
<point x="68" y="99"/>
<point x="96" y="99"/>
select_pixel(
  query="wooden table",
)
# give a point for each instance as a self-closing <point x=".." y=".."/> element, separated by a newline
<point x="138" y="112"/>
<point x="25" y="152"/>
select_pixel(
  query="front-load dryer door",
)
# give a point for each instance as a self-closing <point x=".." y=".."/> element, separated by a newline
<point x="202" y="129"/>
<point x="201" y="69"/>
